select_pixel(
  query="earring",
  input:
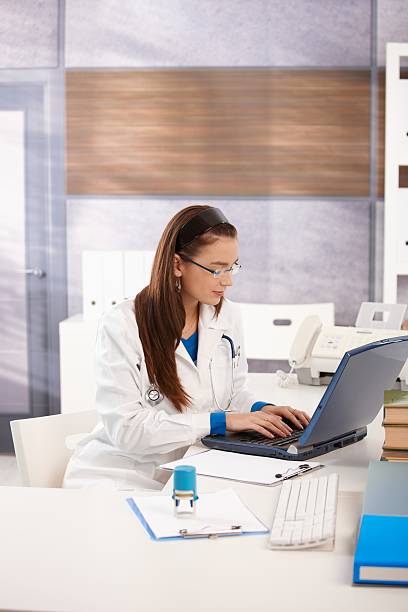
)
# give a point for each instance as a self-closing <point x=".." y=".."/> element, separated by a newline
<point x="178" y="285"/>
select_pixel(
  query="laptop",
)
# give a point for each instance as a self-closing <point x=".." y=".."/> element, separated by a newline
<point x="352" y="400"/>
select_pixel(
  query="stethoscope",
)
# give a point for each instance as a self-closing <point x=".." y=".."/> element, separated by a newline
<point x="154" y="397"/>
<point x="235" y="355"/>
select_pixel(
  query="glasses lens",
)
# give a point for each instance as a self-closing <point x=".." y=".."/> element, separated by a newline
<point x="234" y="269"/>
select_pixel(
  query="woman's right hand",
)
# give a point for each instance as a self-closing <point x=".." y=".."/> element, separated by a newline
<point x="269" y="425"/>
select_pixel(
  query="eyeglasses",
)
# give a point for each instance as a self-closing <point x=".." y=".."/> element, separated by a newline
<point x="234" y="269"/>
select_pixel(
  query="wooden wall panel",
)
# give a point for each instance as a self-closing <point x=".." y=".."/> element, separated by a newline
<point x="221" y="132"/>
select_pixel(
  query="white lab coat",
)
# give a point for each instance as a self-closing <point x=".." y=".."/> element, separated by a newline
<point x="133" y="438"/>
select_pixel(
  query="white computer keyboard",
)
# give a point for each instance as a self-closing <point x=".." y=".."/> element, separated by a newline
<point x="306" y="514"/>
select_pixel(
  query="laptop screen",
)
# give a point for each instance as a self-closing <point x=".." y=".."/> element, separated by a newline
<point x="355" y="394"/>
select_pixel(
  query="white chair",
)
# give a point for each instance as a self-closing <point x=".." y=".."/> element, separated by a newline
<point x="40" y="447"/>
<point x="269" y="329"/>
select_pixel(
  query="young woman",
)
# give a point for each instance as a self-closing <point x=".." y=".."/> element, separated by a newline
<point x="163" y="363"/>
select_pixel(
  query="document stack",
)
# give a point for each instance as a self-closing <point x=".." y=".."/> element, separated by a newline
<point x="395" y="424"/>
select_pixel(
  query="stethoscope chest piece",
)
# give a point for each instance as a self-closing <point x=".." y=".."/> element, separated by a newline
<point x="153" y="395"/>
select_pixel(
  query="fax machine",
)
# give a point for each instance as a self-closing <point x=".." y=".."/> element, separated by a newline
<point x="317" y="349"/>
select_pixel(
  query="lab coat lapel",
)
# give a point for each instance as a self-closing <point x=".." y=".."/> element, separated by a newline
<point x="210" y="331"/>
<point x="208" y="340"/>
<point x="182" y="352"/>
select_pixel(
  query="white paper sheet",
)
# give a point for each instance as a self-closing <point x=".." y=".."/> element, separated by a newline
<point x="214" y="511"/>
<point x="237" y="466"/>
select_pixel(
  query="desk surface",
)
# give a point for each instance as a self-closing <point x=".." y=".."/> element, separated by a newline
<point x="66" y="550"/>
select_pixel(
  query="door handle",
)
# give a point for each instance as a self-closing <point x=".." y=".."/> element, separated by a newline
<point x="38" y="272"/>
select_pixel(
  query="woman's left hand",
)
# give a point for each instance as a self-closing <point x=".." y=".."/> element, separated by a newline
<point x="299" y="418"/>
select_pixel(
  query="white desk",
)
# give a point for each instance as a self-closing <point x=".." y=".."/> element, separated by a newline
<point x="85" y="551"/>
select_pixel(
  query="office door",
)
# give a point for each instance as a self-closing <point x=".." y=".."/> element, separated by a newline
<point x="23" y="244"/>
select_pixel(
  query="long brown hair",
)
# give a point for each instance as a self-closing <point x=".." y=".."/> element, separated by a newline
<point x="159" y="309"/>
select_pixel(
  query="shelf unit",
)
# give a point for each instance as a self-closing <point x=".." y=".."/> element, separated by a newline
<point x="396" y="171"/>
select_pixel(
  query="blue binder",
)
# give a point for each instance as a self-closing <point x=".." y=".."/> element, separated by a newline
<point x="381" y="555"/>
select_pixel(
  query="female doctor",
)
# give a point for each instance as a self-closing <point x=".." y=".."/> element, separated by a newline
<point x="170" y="364"/>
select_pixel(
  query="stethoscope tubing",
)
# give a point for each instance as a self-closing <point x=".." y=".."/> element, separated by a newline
<point x="154" y="397"/>
<point x="234" y="357"/>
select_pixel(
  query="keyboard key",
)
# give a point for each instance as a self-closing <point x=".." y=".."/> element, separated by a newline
<point x="278" y="522"/>
<point x="311" y="499"/>
<point x="297" y="536"/>
<point x="287" y="533"/>
<point x="308" y="521"/>
<point x="283" y="500"/>
<point x="293" y="500"/>
<point x="307" y="534"/>
<point x="301" y="507"/>
<point x="321" y="495"/>
<point x="293" y="524"/>
<point x="317" y="531"/>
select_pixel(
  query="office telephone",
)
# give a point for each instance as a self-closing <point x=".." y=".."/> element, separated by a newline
<point x="317" y="349"/>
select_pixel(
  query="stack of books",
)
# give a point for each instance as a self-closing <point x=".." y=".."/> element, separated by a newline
<point x="395" y="424"/>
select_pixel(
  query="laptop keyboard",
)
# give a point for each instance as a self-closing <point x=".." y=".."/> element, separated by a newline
<point x="264" y="441"/>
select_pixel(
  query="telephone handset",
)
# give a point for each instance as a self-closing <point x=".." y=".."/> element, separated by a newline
<point x="301" y="347"/>
<point x="304" y="340"/>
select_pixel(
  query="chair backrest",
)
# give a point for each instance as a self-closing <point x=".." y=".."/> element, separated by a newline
<point x="40" y="448"/>
<point x="269" y="329"/>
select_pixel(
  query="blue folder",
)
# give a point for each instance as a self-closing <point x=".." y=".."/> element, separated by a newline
<point x="381" y="555"/>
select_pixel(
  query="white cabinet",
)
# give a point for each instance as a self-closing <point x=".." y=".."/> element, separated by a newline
<point x="77" y="354"/>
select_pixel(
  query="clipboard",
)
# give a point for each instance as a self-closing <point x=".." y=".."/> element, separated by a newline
<point x="252" y="469"/>
<point x="218" y="514"/>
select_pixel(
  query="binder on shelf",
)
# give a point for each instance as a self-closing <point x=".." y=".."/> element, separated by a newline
<point x="381" y="555"/>
<point x="134" y="272"/>
<point x="137" y="270"/>
<point x="108" y="277"/>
